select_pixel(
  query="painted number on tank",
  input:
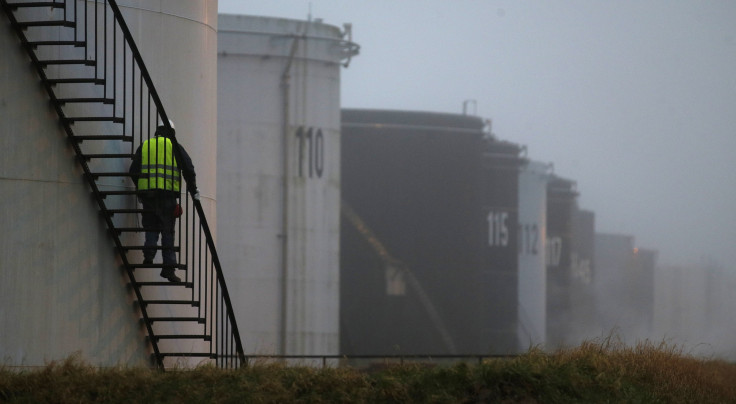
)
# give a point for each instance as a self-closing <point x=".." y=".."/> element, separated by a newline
<point x="529" y="239"/>
<point x="311" y="152"/>
<point x="498" y="230"/>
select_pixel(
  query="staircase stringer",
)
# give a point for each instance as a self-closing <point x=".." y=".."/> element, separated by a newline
<point x="210" y="296"/>
<point x="87" y="175"/>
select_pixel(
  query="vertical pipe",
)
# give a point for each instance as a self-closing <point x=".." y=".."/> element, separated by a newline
<point x="96" y="41"/>
<point x="125" y="91"/>
<point x="104" y="46"/>
<point x="285" y="84"/>
<point x="114" y="68"/>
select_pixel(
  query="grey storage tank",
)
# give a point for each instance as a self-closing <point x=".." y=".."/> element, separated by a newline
<point x="279" y="179"/>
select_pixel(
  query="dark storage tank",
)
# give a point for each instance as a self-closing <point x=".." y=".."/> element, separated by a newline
<point x="584" y="324"/>
<point x="561" y="205"/>
<point x="499" y="271"/>
<point x="421" y="263"/>
<point x="625" y="286"/>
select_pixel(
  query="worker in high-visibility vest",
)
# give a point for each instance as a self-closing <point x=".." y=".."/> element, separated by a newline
<point x="157" y="175"/>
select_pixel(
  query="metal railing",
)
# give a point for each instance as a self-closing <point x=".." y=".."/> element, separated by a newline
<point x="108" y="95"/>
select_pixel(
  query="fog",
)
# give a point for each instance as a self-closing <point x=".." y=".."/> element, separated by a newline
<point x="635" y="100"/>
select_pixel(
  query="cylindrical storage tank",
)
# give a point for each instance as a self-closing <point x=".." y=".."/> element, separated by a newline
<point x="279" y="180"/>
<point x="533" y="179"/>
<point x="62" y="285"/>
<point x="412" y="232"/>
<point x="582" y="293"/>
<point x="499" y="272"/>
<point x="561" y="205"/>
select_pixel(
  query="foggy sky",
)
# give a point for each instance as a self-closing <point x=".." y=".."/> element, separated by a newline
<point x="633" y="99"/>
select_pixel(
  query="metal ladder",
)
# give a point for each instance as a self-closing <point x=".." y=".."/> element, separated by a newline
<point x="107" y="105"/>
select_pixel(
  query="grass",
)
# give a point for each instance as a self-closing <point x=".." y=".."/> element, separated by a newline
<point x="594" y="372"/>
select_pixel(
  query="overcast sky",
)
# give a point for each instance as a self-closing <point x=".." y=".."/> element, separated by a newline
<point x="633" y="99"/>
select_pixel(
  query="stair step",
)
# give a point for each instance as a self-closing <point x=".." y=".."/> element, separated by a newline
<point x="110" y="193"/>
<point x="55" y="23"/>
<point x="36" y="4"/>
<point x="113" y="119"/>
<point x="184" y="336"/>
<point x="85" y="62"/>
<point x="110" y="174"/>
<point x="81" y="138"/>
<point x="199" y="320"/>
<point x="77" y="44"/>
<point x="86" y="100"/>
<point x="109" y="156"/>
<point x="157" y="266"/>
<point x="140" y="247"/>
<point x="166" y="283"/>
<point x="184" y="302"/>
<point x="131" y="229"/>
<point x="122" y="211"/>
<point x="76" y="80"/>
<point x="189" y="354"/>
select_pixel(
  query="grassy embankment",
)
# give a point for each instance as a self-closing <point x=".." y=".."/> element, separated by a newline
<point x="591" y="373"/>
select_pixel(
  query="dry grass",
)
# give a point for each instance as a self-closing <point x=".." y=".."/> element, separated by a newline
<point x="595" y="372"/>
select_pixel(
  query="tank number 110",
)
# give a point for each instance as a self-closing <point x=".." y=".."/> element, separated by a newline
<point x="311" y="152"/>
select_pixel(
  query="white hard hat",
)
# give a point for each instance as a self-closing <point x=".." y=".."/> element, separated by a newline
<point x="161" y="123"/>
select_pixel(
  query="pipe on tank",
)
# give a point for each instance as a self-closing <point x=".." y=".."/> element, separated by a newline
<point x="285" y="86"/>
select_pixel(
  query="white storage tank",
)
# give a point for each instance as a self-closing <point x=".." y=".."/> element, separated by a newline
<point x="279" y="179"/>
<point x="62" y="289"/>
<point x="533" y="179"/>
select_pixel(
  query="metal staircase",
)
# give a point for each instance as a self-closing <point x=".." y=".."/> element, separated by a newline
<point x="100" y="88"/>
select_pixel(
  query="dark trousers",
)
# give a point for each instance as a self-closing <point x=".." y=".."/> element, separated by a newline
<point x="159" y="220"/>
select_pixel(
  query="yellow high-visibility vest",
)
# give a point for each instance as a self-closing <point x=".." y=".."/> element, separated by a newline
<point x="158" y="165"/>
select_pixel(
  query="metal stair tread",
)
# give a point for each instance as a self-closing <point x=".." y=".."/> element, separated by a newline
<point x="142" y="247"/>
<point x="132" y="230"/>
<point x="56" y="43"/>
<point x="157" y="266"/>
<point x="114" y="119"/>
<point x="165" y="283"/>
<point x="76" y="80"/>
<point x="125" y="210"/>
<point x="54" y="23"/>
<point x="109" y="156"/>
<point x="190" y="354"/>
<point x="111" y="174"/>
<point x="81" y="138"/>
<point x="185" y="336"/>
<point x="190" y="302"/>
<point x="85" y="62"/>
<point x="86" y="100"/>
<point x="199" y="320"/>
<point x="36" y="4"/>
<point x="126" y="192"/>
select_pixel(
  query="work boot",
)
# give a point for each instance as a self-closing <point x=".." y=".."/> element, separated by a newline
<point x="169" y="274"/>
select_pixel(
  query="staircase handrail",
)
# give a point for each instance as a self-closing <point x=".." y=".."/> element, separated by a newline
<point x="118" y="15"/>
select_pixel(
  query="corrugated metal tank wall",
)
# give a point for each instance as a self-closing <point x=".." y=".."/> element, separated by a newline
<point x="280" y="79"/>
<point x="62" y="289"/>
